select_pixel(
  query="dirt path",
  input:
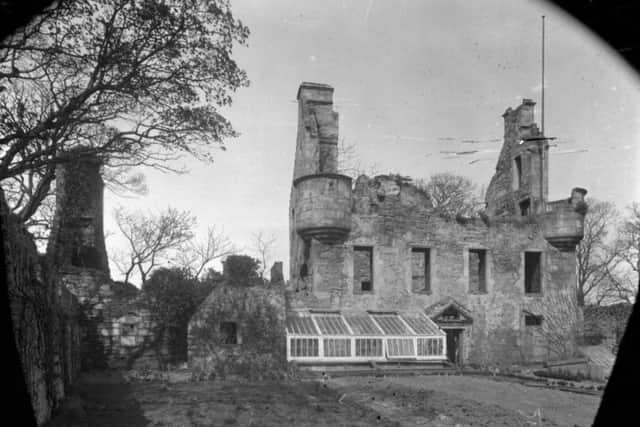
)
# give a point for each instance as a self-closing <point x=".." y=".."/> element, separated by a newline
<point x="467" y="400"/>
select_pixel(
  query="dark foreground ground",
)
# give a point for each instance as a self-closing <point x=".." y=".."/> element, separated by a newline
<point x="110" y="399"/>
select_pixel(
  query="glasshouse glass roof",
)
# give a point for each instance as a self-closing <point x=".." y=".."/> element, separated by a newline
<point x="368" y="324"/>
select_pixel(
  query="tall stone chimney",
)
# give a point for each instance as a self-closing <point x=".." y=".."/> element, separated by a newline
<point x="77" y="235"/>
<point x="317" y="143"/>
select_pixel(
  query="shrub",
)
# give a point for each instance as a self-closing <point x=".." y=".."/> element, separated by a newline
<point x="562" y="374"/>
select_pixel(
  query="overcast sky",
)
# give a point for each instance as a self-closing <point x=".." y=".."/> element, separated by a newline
<point x="412" y="78"/>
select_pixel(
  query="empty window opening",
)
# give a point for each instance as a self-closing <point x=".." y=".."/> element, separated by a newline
<point x="86" y="256"/>
<point x="127" y="329"/>
<point x="363" y="268"/>
<point x="532" y="320"/>
<point x="525" y="207"/>
<point x="306" y="252"/>
<point x="477" y="270"/>
<point x="518" y="172"/>
<point x="532" y="272"/>
<point x="229" y="332"/>
<point x="420" y="270"/>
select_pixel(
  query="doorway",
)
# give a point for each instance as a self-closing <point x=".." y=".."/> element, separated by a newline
<point x="454" y="345"/>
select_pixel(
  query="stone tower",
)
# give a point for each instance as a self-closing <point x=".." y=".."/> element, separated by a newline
<point x="320" y="203"/>
<point x="77" y="235"/>
<point x="520" y="185"/>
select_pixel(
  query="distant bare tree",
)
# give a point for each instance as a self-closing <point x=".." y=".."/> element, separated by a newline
<point x="263" y="248"/>
<point x="624" y="277"/>
<point x="196" y="254"/>
<point x="630" y="238"/>
<point x="125" y="180"/>
<point x="150" y="237"/>
<point x="350" y="164"/>
<point x="452" y="194"/>
<point x="595" y="255"/>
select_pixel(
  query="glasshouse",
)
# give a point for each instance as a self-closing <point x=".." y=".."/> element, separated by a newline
<point x="370" y="336"/>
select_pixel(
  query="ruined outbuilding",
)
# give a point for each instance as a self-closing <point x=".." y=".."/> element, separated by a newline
<point x="119" y="331"/>
<point x="239" y="328"/>
<point x="374" y="265"/>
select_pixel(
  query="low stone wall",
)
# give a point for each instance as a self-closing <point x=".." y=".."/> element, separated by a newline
<point x="46" y="319"/>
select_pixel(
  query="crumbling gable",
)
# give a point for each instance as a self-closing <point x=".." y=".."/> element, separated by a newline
<point x="520" y="184"/>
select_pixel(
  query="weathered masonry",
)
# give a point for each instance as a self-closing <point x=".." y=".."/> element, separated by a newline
<point x="118" y="328"/>
<point x="367" y="255"/>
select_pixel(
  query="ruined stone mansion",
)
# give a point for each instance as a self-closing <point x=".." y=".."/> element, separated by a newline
<point x="377" y="274"/>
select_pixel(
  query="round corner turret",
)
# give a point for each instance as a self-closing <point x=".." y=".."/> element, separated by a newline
<point x="563" y="223"/>
<point x="323" y="208"/>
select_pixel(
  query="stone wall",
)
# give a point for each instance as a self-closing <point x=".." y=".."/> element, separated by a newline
<point x="240" y="330"/>
<point x="606" y="324"/>
<point x="120" y="331"/>
<point x="475" y="266"/>
<point x="393" y="217"/>
<point x="46" y="319"/>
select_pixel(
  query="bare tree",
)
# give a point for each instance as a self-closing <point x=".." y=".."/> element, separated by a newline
<point x="630" y="238"/>
<point x="452" y="194"/>
<point x="37" y="210"/>
<point x="350" y="164"/>
<point x="18" y="194"/>
<point x="196" y="254"/>
<point x="624" y="279"/>
<point x="596" y="257"/>
<point x="125" y="181"/>
<point x="150" y="238"/>
<point x="134" y="82"/>
<point x="263" y="248"/>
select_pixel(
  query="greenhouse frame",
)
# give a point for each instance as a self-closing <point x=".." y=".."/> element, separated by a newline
<point x="332" y="336"/>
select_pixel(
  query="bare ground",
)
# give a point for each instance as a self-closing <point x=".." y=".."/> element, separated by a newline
<point x="110" y="399"/>
<point x="466" y="400"/>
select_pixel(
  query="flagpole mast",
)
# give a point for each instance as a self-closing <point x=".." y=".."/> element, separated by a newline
<point x="543" y="144"/>
<point x="542" y="103"/>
